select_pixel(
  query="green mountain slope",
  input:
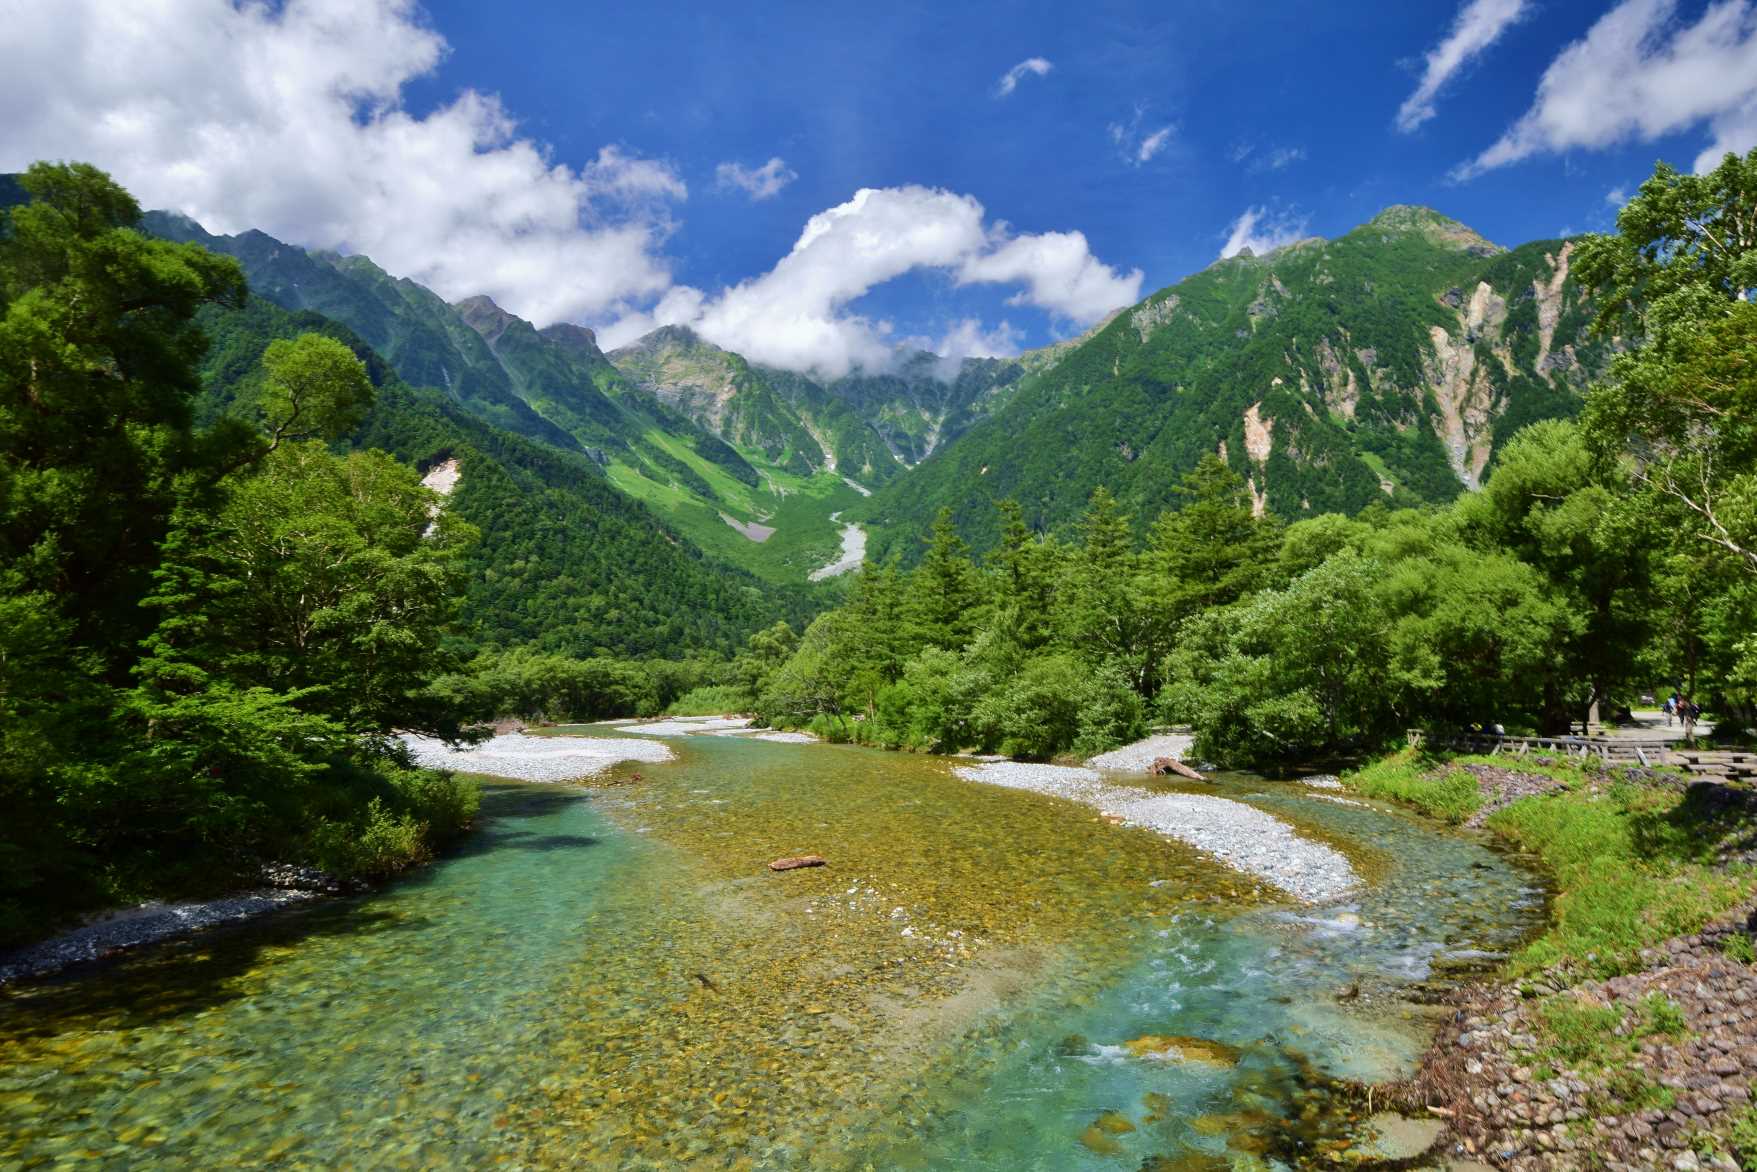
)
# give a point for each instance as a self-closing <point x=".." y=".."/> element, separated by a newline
<point x="565" y="561"/>
<point x="556" y="386"/>
<point x="868" y="427"/>
<point x="1387" y="364"/>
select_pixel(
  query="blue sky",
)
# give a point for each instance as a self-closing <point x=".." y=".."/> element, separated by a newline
<point x="1150" y="128"/>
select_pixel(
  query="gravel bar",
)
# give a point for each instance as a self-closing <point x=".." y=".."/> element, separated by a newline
<point x="1137" y="757"/>
<point x="1239" y="835"/>
<point x="526" y="758"/>
<point x="147" y="924"/>
<point x="683" y="726"/>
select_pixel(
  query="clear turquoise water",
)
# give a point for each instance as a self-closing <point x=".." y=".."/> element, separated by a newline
<point x="609" y="978"/>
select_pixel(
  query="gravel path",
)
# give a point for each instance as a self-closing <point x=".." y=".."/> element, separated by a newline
<point x="527" y="758"/>
<point x="1137" y="757"/>
<point x="1241" y="836"/>
<point x="147" y="924"/>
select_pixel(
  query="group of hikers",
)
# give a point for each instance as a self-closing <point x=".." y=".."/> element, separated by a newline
<point x="1684" y="710"/>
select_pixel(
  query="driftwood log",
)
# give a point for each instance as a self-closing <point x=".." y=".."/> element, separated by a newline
<point x="1162" y="766"/>
<point x="796" y="862"/>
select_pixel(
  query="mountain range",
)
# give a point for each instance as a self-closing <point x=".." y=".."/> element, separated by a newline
<point x="1388" y="364"/>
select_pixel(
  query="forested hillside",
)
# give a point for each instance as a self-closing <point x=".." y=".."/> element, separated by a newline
<point x="555" y="385"/>
<point x="564" y="561"/>
<point x="1599" y="558"/>
<point x="1387" y="365"/>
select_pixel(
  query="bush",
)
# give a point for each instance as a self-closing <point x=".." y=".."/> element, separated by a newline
<point x="709" y="700"/>
<point x="379" y="846"/>
<point x="1059" y="703"/>
<point x="414" y="814"/>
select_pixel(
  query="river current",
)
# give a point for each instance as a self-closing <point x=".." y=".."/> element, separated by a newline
<point x="610" y="977"/>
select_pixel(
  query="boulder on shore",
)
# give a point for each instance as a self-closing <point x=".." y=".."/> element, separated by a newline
<point x="1163" y="766"/>
<point x="796" y="862"/>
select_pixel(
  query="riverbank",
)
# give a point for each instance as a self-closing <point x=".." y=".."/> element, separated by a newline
<point x="1624" y="1036"/>
<point x="513" y="756"/>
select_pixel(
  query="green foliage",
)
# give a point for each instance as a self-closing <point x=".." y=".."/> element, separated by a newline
<point x="313" y="388"/>
<point x="709" y="700"/>
<point x="534" y="686"/>
<point x="1440" y="792"/>
<point x="1326" y="343"/>
<point x="1744" y="1139"/>
<point x="206" y="633"/>
<point x="1738" y="947"/>
<point x="1635" y="866"/>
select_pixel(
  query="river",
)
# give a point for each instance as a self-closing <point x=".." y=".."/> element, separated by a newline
<point x="610" y="977"/>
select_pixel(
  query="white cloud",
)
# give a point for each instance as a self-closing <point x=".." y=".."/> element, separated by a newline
<point x="1260" y="231"/>
<point x="1059" y="273"/>
<point x="1617" y="196"/>
<point x="288" y="118"/>
<point x="1137" y="146"/>
<point x="1283" y="157"/>
<point x="1479" y="25"/>
<point x="798" y="316"/>
<point x="967" y="339"/>
<point x="1030" y="67"/>
<point x="1638" y="74"/>
<point x="1153" y="144"/>
<point x="764" y="182"/>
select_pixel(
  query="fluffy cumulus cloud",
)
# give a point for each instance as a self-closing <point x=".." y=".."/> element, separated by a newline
<point x="1030" y="67"/>
<point x="1261" y="231"/>
<point x="288" y="118"/>
<point x="764" y="182"/>
<point x="1640" y="73"/>
<point x="1479" y="25"/>
<point x="800" y="314"/>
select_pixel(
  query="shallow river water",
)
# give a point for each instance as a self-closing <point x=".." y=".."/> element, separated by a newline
<point x="609" y="977"/>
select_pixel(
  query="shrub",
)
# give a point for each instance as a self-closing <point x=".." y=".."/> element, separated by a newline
<point x="709" y="700"/>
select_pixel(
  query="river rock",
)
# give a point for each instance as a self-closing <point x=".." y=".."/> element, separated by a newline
<point x="795" y="862"/>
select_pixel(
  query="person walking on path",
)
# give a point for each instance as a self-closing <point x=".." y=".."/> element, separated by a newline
<point x="1671" y="706"/>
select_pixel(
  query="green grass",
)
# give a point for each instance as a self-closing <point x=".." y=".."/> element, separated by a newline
<point x="1434" y="788"/>
<point x="1587" y="1037"/>
<point x="1634" y="864"/>
<point x="804" y="538"/>
<point x="1744" y="1140"/>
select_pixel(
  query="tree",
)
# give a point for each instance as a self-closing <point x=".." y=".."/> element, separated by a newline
<point x="98" y="352"/>
<point x="1679" y="276"/>
<point x="1023" y="570"/>
<point x="333" y="578"/>
<point x="1554" y="503"/>
<point x="943" y="598"/>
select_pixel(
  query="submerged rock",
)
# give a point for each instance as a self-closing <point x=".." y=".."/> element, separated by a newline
<point x="1178" y="1048"/>
<point x="1100" y="1135"/>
